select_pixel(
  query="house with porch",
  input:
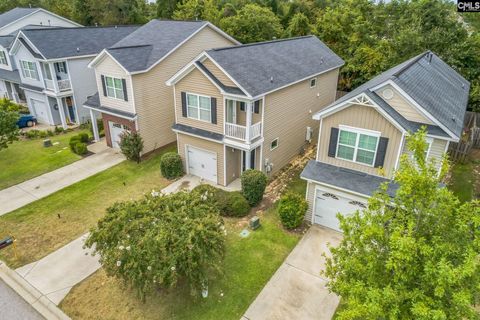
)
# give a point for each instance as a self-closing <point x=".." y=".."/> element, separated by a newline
<point x="10" y="22"/>
<point x="363" y="134"/>
<point x="53" y="69"/>
<point x="251" y="106"/>
<point x="131" y="74"/>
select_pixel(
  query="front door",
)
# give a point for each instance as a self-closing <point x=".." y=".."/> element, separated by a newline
<point x="252" y="160"/>
<point x="70" y="108"/>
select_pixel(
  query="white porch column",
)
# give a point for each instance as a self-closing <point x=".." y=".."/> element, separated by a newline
<point x="62" y="113"/>
<point x="248" y="121"/>
<point x="248" y="158"/>
<point x="93" y="118"/>
<point x="53" y="73"/>
<point x="16" y="98"/>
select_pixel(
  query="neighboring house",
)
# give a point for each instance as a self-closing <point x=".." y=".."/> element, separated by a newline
<point x="10" y="22"/>
<point x="131" y="78"/>
<point x="363" y="134"/>
<point x="53" y="64"/>
<point x="250" y="106"/>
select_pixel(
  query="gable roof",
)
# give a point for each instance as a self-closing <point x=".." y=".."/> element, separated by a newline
<point x="152" y="42"/>
<point x="15" y="14"/>
<point x="432" y="84"/>
<point x="59" y="42"/>
<point x="262" y="67"/>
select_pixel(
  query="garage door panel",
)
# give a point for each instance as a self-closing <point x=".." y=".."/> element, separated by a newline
<point x="328" y="204"/>
<point x="202" y="163"/>
<point x="40" y="110"/>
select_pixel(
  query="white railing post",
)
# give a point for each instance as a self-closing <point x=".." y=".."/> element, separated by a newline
<point x="63" y="118"/>
<point x="54" y="77"/>
<point x="249" y="121"/>
<point x="93" y="118"/>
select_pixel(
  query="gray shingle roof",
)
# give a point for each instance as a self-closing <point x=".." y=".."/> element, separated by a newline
<point x="94" y="103"/>
<point x="433" y="84"/>
<point x="151" y="42"/>
<point x="6" y="41"/>
<point x="12" y="76"/>
<point x="54" y="43"/>
<point x="253" y="66"/>
<point x="198" y="132"/>
<point x="15" y="14"/>
<point x="348" y="179"/>
<point x="227" y="89"/>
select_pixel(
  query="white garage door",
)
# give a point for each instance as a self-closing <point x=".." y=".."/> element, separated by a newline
<point x="40" y="110"/>
<point x="202" y="163"/>
<point x="327" y="205"/>
<point x="116" y="130"/>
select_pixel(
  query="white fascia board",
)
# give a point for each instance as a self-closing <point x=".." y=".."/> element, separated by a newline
<point x="28" y="15"/>
<point x="102" y="55"/>
<point x="365" y="196"/>
<point x="110" y="113"/>
<point x="16" y="44"/>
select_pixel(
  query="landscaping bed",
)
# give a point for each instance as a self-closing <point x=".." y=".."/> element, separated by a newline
<point x="49" y="223"/>
<point x="28" y="158"/>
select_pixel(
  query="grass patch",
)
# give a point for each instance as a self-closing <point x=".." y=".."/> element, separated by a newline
<point x="49" y="223"/>
<point x="462" y="182"/>
<point x="27" y="159"/>
<point x="248" y="265"/>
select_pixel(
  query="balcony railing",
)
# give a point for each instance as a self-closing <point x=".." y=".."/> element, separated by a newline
<point x="64" y="85"/>
<point x="49" y="84"/>
<point x="240" y="132"/>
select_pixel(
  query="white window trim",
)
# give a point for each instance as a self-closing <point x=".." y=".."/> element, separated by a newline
<point x="114" y="90"/>
<point x="314" y="84"/>
<point x="358" y="131"/>
<point x="278" y="143"/>
<point x="198" y="106"/>
<point x="3" y="55"/>
<point x="30" y="71"/>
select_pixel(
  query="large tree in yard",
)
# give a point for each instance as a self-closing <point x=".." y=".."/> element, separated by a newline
<point x="413" y="256"/>
<point x="157" y="241"/>
<point x="9" y="115"/>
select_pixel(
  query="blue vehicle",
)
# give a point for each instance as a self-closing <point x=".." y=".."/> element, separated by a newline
<point x="26" y="120"/>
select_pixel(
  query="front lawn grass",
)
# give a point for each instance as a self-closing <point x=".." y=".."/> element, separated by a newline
<point x="27" y="159"/>
<point x="49" y="223"/>
<point x="249" y="263"/>
<point x="462" y="181"/>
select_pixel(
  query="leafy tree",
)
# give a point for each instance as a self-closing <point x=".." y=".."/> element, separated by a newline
<point x="299" y="25"/>
<point x="81" y="12"/>
<point x="157" y="241"/>
<point x="165" y="8"/>
<point x="413" y="256"/>
<point x="253" y="23"/>
<point x="198" y="10"/>
<point x="9" y="115"/>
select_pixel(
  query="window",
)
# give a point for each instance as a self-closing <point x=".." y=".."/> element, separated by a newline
<point x="61" y="67"/>
<point x="3" y="58"/>
<point x="357" y="146"/>
<point x="313" y="83"/>
<point x="199" y="107"/>
<point x="29" y="69"/>
<point x="46" y="71"/>
<point x="114" y="87"/>
<point x="274" y="144"/>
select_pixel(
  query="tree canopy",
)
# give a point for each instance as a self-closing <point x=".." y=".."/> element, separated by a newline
<point x="413" y="256"/>
<point x="9" y="115"/>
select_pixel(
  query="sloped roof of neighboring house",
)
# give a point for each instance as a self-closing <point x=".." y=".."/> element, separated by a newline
<point x="6" y="41"/>
<point x="11" y="76"/>
<point x="431" y="83"/>
<point x="54" y="43"/>
<point x="14" y="15"/>
<point x="155" y="40"/>
<point x="93" y="102"/>
<point x="263" y="67"/>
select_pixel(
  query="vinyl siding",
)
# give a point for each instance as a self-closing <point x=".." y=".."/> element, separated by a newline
<point x="184" y="140"/>
<point x="195" y="82"/>
<point x="437" y="150"/>
<point x="364" y="118"/>
<point x="25" y="55"/>
<point x="233" y="163"/>
<point x="154" y="100"/>
<point x="83" y="84"/>
<point x="403" y="106"/>
<point x="219" y="74"/>
<point x="108" y="67"/>
<point x="288" y="112"/>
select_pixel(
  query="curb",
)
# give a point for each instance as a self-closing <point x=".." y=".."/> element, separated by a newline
<point x="30" y="294"/>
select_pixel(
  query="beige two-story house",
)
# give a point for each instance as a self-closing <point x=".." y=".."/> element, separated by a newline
<point x="131" y="75"/>
<point x="251" y="106"/>
<point x="363" y="134"/>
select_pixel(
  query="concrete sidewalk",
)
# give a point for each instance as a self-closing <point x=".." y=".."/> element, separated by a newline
<point x="297" y="290"/>
<point x="26" y="192"/>
<point x="56" y="274"/>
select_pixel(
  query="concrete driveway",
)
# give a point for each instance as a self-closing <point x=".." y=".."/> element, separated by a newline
<point x="297" y="290"/>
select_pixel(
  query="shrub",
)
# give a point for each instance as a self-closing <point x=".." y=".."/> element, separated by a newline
<point x="131" y="145"/>
<point x="292" y="208"/>
<point x="237" y="205"/>
<point x="84" y="137"/>
<point x="32" y="134"/>
<point x="59" y="130"/>
<point x="139" y="242"/>
<point x="254" y="183"/>
<point x="81" y="148"/>
<point x="171" y="165"/>
<point x="73" y="142"/>
<point x="50" y="133"/>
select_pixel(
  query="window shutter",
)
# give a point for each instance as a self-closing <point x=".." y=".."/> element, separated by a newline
<point x="124" y="85"/>
<point x="332" y="147"/>
<point x="256" y="107"/>
<point x="213" y="105"/>
<point x="184" y="104"/>
<point x="381" y="151"/>
<point x="242" y="106"/>
<point x="57" y="67"/>
<point x="103" y="86"/>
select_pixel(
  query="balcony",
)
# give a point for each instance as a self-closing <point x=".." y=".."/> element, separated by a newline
<point x="63" y="85"/>
<point x="240" y="132"/>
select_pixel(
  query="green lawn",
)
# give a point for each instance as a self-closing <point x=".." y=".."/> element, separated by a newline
<point x="26" y="159"/>
<point x="49" y="223"/>
<point x="462" y="182"/>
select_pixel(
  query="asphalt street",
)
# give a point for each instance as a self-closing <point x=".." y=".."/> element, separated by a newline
<point x="13" y="307"/>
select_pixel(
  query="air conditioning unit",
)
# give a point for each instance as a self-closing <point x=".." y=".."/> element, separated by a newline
<point x="309" y="134"/>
